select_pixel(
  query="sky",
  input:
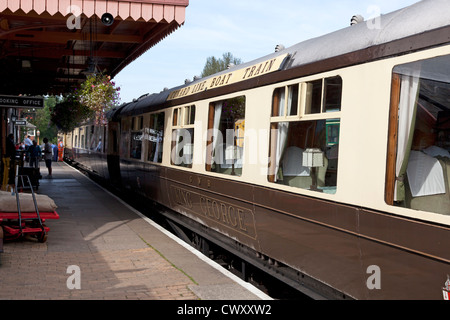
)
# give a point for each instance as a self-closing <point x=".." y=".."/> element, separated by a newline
<point x="249" y="29"/>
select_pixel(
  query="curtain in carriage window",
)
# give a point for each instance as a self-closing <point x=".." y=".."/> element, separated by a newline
<point x="225" y="139"/>
<point x="406" y="122"/>
<point x="281" y="135"/>
<point x="183" y="121"/>
<point x="217" y="152"/>
<point x="282" y="107"/>
<point x="154" y="135"/>
<point x="305" y="115"/>
<point x="419" y="135"/>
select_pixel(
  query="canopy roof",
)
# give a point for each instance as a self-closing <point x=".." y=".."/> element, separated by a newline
<point x="48" y="46"/>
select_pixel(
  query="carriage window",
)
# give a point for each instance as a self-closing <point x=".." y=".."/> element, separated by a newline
<point x="418" y="164"/>
<point x="225" y="141"/>
<point x="96" y="142"/>
<point x="323" y="95"/>
<point x="136" y="138"/>
<point x="177" y="117"/>
<point x="89" y="137"/>
<point x="314" y="97"/>
<point x="190" y="115"/>
<point x="285" y="96"/>
<point x="155" y="136"/>
<point x="304" y="153"/>
<point x="183" y="136"/>
<point x="86" y="137"/>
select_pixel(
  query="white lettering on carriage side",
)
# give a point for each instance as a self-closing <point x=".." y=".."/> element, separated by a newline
<point x="74" y="280"/>
<point x="374" y="280"/>
<point x="229" y="78"/>
<point x="229" y="215"/>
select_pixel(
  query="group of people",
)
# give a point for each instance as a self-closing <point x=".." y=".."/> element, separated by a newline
<point x="33" y="152"/>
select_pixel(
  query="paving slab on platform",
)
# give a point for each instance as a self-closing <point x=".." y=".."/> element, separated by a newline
<point x="120" y="254"/>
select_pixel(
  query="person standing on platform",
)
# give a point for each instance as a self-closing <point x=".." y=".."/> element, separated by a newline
<point x="48" y="153"/>
<point x="60" y="150"/>
<point x="35" y="154"/>
<point x="10" y="147"/>
<point x="28" y="142"/>
<point x="55" y="152"/>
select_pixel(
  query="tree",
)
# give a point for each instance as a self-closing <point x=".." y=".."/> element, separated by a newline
<point x="43" y="119"/>
<point x="214" y="65"/>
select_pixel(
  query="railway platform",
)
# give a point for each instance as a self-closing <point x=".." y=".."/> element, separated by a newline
<point x="102" y="249"/>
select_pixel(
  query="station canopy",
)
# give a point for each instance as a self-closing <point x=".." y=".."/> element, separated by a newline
<point x="50" y="46"/>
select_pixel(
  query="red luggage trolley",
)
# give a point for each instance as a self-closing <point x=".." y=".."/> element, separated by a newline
<point x="18" y="224"/>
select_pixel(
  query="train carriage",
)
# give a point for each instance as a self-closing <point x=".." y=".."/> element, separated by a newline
<point x="327" y="162"/>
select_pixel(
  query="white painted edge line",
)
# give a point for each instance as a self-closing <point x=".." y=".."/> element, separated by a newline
<point x="197" y="253"/>
<point x="202" y="257"/>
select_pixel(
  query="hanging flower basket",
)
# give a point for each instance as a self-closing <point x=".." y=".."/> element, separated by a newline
<point x="69" y="113"/>
<point x="99" y="94"/>
<point x="92" y="100"/>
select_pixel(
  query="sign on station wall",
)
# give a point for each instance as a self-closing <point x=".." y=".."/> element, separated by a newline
<point x="21" y="102"/>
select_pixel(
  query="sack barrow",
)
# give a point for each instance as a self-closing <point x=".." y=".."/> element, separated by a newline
<point x="18" y="224"/>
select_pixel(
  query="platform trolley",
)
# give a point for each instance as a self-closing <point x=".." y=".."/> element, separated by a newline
<point x="17" y="224"/>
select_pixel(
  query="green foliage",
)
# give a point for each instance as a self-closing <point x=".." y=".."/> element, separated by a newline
<point x="234" y="108"/>
<point x="214" y="65"/>
<point x="43" y="119"/>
